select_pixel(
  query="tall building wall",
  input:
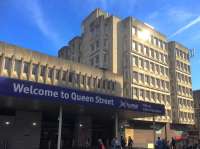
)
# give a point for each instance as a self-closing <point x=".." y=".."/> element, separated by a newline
<point x="181" y="85"/>
<point x="143" y="57"/>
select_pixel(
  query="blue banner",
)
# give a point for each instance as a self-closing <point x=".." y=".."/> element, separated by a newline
<point x="33" y="90"/>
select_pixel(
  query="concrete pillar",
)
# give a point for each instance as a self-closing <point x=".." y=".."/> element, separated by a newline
<point x="116" y="125"/>
<point x="60" y="128"/>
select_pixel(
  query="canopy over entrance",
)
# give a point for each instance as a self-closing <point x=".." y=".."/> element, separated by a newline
<point x="22" y="94"/>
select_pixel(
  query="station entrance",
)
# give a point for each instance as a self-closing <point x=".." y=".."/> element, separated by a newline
<point x="51" y="122"/>
<point x="78" y="131"/>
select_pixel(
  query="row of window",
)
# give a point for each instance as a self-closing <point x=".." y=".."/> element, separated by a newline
<point x="41" y="70"/>
<point x="185" y="116"/>
<point x="150" y="80"/>
<point x="147" y="65"/>
<point x="150" y="96"/>
<point x="182" y="66"/>
<point x="145" y="35"/>
<point x="183" y="78"/>
<point x="182" y="55"/>
<point x="149" y="52"/>
<point x="185" y="91"/>
<point x="186" y="103"/>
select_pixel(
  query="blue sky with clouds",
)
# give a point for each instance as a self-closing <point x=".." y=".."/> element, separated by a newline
<point x="47" y="25"/>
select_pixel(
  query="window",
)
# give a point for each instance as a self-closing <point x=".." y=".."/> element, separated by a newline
<point x="135" y="61"/>
<point x="153" y="81"/>
<point x="162" y="70"/>
<point x="142" y="93"/>
<point x="153" y="95"/>
<point x="26" y="67"/>
<point x="97" y="59"/>
<point x="92" y="47"/>
<point x="88" y="81"/>
<point x="97" y="44"/>
<point x="42" y="72"/>
<point x="135" y="92"/>
<point x="135" y="76"/>
<point x="34" y="69"/>
<point x="50" y="72"/>
<point x="162" y="57"/>
<point x="166" y="72"/>
<point x="92" y="61"/>
<point x="158" y="83"/>
<point x="133" y="30"/>
<point x="157" y="69"/>
<point x="82" y="79"/>
<point x="157" y="55"/>
<point x="152" y="53"/>
<point x="151" y="66"/>
<point x="139" y="48"/>
<point x="141" y="63"/>
<point x="147" y="79"/>
<point x="147" y="94"/>
<point x="145" y="50"/>
<point x="7" y="65"/>
<point x="71" y="75"/>
<point x="154" y="41"/>
<point x="105" y="42"/>
<point x="17" y="66"/>
<point x="64" y="76"/>
<point x="141" y="78"/>
<point x="57" y="74"/>
<point x="133" y="45"/>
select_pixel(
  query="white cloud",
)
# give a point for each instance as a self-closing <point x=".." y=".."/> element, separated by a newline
<point x="187" y="26"/>
<point x="32" y="10"/>
<point x="179" y="14"/>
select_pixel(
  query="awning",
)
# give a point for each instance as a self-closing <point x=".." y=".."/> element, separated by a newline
<point x="29" y="90"/>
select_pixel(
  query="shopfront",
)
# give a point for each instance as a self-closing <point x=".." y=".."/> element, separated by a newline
<point x="35" y="115"/>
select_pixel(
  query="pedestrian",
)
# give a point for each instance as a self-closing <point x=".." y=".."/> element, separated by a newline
<point x="100" y="144"/>
<point x="118" y="143"/>
<point x="123" y="142"/>
<point x="158" y="144"/>
<point x="113" y="143"/>
<point x="130" y="142"/>
<point x="173" y="143"/>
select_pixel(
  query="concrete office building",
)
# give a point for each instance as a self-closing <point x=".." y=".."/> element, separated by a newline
<point x="196" y="96"/>
<point x="181" y="84"/>
<point x="141" y="55"/>
<point x="37" y="91"/>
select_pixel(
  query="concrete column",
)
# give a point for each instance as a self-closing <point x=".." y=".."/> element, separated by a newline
<point x="38" y="72"/>
<point x="46" y="74"/>
<point x="154" y="131"/>
<point x="12" y="65"/>
<point x="2" y="63"/>
<point x="21" y="68"/>
<point x="59" y="128"/>
<point x="116" y="125"/>
<point x="30" y="70"/>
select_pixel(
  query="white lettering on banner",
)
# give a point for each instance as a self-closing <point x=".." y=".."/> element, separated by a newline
<point x="20" y="88"/>
<point x="124" y="104"/>
<point x="64" y="95"/>
<point x="100" y="100"/>
<point x="76" y="97"/>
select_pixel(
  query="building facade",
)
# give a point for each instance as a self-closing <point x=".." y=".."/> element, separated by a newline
<point x="152" y="70"/>
<point x="196" y="96"/>
<point x="35" y="86"/>
<point x="181" y="84"/>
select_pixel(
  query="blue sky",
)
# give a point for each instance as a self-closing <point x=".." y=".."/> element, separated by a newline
<point x="47" y="25"/>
